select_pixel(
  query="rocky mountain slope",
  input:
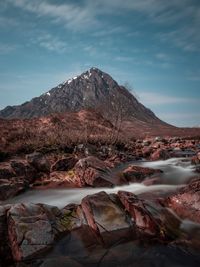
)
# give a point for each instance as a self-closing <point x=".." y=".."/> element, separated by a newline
<point x="92" y="89"/>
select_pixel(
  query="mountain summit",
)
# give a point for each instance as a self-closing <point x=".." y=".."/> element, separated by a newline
<point x="93" y="89"/>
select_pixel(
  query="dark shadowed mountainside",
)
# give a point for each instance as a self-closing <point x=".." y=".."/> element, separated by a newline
<point x="92" y="89"/>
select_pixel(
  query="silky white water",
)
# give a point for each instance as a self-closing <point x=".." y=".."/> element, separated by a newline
<point x="176" y="172"/>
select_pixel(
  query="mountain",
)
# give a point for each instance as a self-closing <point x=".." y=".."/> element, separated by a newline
<point x="93" y="89"/>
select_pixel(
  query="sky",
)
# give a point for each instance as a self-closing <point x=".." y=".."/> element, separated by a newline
<point x="153" y="45"/>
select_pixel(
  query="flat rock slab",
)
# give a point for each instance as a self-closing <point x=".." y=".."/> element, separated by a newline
<point x="104" y="214"/>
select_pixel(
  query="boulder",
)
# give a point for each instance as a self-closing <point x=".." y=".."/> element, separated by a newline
<point x="149" y="217"/>
<point x="196" y="159"/>
<point x="105" y="215"/>
<point x="33" y="228"/>
<point x="11" y="188"/>
<point x="64" y="164"/>
<point x="186" y="201"/>
<point x="5" y="253"/>
<point x="22" y="168"/>
<point x="38" y="161"/>
<point x="136" y="174"/>
<point x="6" y="171"/>
<point x="93" y="172"/>
<point x="160" y="154"/>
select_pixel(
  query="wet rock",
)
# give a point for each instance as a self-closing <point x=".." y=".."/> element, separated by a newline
<point x="33" y="228"/>
<point x="186" y="202"/>
<point x="196" y="159"/>
<point x="64" y="164"/>
<point x="147" y="151"/>
<point x="38" y="161"/>
<point x="22" y="168"/>
<point x="104" y="215"/>
<point x="11" y="188"/>
<point x="5" y="253"/>
<point x="160" y="154"/>
<point x="149" y="217"/>
<point x="93" y="172"/>
<point x="136" y="174"/>
<point x="6" y="171"/>
<point x="29" y="231"/>
<point x="140" y="215"/>
<point x="61" y="262"/>
<point x="56" y="179"/>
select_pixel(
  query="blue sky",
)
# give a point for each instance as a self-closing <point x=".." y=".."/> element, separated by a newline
<point x="154" y="45"/>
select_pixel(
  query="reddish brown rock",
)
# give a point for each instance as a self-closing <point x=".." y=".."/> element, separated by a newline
<point x="39" y="162"/>
<point x="61" y="262"/>
<point x="160" y="154"/>
<point x="149" y="217"/>
<point x="6" y="171"/>
<point x="140" y="215"/>
<point x="186" y="202"/>
<point x="136" y="174"/>
<point x="64" y="164"/>
<point x="33" y="228"/>
<point x="93" y="172"/>
<point x="196" y="159"/>
<point x="5" y="253"/>
<point x="104" y="214"/>
<point x="23" y="169"/>
<point x="10" y="188"/>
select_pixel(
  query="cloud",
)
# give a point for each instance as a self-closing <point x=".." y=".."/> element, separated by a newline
<point x="51" y="43"/>
<point x="163" y="56"/>
<point x="6" y="48"/>
<point x="174" y="115"/>
<point x="87" y="15"/>
<point x="72" y="16"/>
<point x="187" y="38"/>
<point x="181" y="119"/>
<point x="151" y="98"/>
<point x="106" y="32"/>
<point x="123" y="58"/>
<point x="8" y="22"/>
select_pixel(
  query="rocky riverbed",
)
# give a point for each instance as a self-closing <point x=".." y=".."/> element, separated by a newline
<point x="135" y="206"/>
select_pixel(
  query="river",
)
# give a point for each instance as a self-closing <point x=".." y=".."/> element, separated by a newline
<point x="176" y="172"/>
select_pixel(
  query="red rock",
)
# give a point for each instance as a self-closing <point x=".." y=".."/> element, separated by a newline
<point x="22" y="168"/>
<point x="195" y="160"/>
<point x="6" y="171"/>
<point x="93" y="172"/>
<point x="33" y="228"/>
<point x="64" y="164"/>
<point x="11" y="188"/>
<point x="160" y="154"/>
<point x="61" y="262"/>
<point x="136" y="174"/>
<point x="140" y="215"/>
<point x="186" y="202"/>
<point x="38" y="161"/>
<point x="104" y="215"/>
<point x="5" y="253"/>
<point x="149" y="217"/>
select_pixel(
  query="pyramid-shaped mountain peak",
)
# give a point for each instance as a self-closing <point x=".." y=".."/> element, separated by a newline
<point x="93" y="89"/>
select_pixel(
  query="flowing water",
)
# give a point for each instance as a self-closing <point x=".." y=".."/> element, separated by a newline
<point x="80" y="246"/>
<point x="176" y="171"/>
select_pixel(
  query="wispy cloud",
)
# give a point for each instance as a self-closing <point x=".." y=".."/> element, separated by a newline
<point x="194" y="76"/>
<point x="6" y="48"/>
<point x="183" y="119"/>
<point x="73" y="16"/>
<point x="113" y="30"/>
<point x="51" y="43"/>
<point x="8" y="22"/>
<point x="186" y="38"/>
<point x="123" y="58"/>
<point x="151" y="98"/>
